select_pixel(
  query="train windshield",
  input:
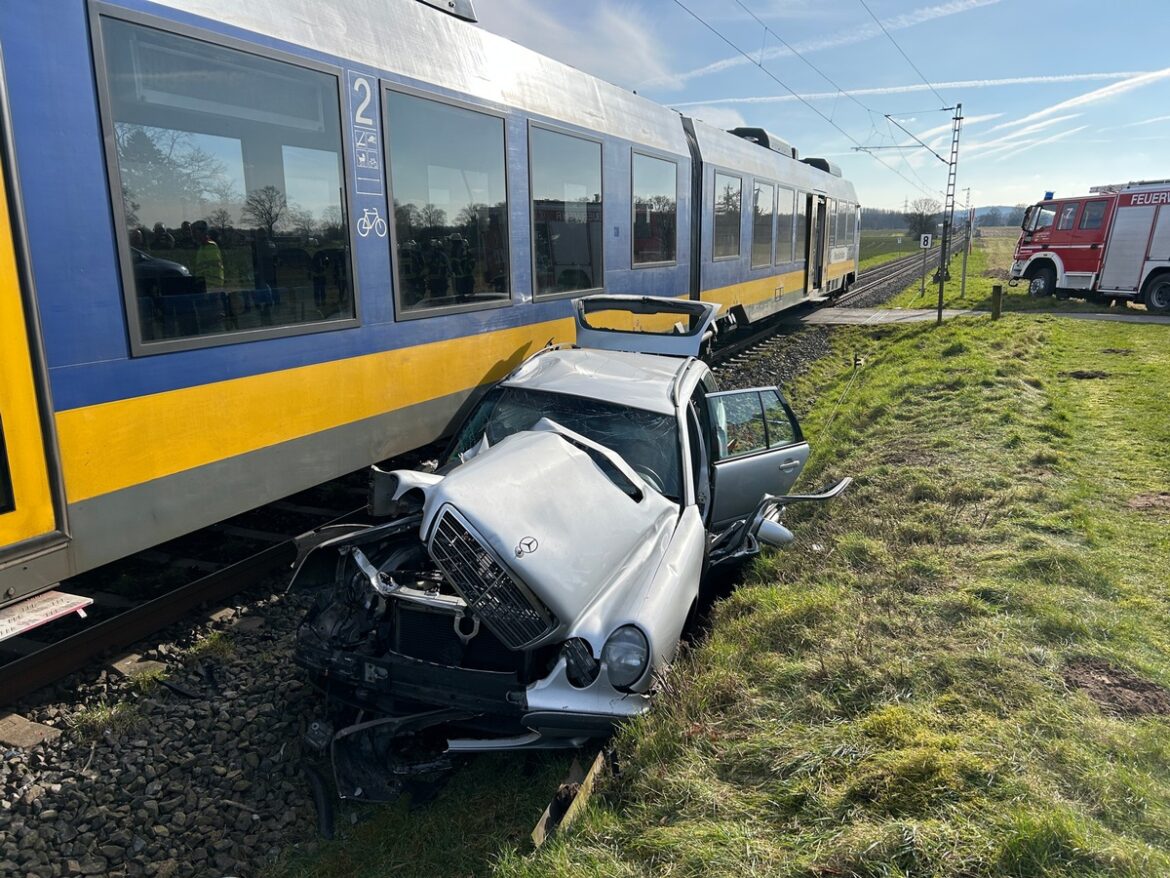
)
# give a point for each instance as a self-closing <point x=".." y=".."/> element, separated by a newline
<point x="647" y="441"/>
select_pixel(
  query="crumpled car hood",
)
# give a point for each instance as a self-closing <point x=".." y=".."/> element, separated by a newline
<point x="554" y="518"/>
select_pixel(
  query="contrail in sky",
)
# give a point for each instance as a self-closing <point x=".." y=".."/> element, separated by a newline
<point x="914" y="87"/>
<point x="842" y="38"/>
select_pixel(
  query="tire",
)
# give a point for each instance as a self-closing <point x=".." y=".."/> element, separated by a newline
<point x="1043" y="282"/>
<point x="1157" y="294"/>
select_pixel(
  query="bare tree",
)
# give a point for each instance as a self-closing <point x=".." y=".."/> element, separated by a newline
<point x="922" y="217"/>
<point x="433" y="216"/>
<point x="301" y="221"/>
<point x="220" y="218"/>
<point x="993" y="217"/>
<point x="265" y="207"/>
<point x="331" y="222"/>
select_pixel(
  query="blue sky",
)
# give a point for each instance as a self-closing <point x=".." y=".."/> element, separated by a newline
<point x="1058" y="94"/>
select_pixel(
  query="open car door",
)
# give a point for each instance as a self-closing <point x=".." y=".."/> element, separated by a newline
<point x="645" y="324"/>
<point x="757" y="448"/>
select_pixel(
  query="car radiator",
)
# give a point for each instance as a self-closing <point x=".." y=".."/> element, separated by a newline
<point x="492" y="593"/>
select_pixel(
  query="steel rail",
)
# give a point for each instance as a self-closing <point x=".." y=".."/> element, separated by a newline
<point x="896" y="270"/>
<point x="28" y="673"/>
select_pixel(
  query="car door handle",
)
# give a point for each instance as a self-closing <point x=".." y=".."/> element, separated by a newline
<point x="791" y="463"/>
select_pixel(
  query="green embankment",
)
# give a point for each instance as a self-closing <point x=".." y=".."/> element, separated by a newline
<point x="987" y="265"/>
<point x="889" y="697"/>
<point x="899" y="693"/>
<point x="882" y="246"/>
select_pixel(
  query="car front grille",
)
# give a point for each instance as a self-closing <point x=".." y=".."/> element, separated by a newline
<point x="500" y="602"/>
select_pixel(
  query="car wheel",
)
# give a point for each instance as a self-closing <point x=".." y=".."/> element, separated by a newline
<point x="1157" y="294"/>
<point x="1043" y="282"/>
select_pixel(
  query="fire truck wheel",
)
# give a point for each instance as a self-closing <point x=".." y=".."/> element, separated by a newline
<point x="1043" y="282"/>
<point x="1157" y="294"/>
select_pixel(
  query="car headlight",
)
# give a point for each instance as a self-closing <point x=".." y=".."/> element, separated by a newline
<point x="625" y="656"/>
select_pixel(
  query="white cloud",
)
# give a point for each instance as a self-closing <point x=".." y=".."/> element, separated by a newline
<point x="616" y="41"/>
<point x="1104" y="93"/>
<point x="1137" y="124"/>
<point x="1013" y="139"/>
<point x="720" y="117"/>
<point x="1030" y="145"/>
<point x="852" y="36"/>
<point x="917" y="87"/>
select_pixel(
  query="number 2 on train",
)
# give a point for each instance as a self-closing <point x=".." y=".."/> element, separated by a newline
<point x="362" y="87"/>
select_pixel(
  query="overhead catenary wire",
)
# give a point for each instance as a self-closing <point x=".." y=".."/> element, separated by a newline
<point x="767" y="31"/>
<point x="890" y="37"/>
<point x="793" y="92"/>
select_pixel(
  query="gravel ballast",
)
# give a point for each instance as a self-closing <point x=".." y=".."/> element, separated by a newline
<point x="170" y="785"/>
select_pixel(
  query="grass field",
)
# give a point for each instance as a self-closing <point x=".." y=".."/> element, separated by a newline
<point x="878" y="246"/>
<point x="893" y="696"/>
<point x="988" y="264"/>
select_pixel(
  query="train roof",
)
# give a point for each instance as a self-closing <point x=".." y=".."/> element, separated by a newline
<point x="720" y="147"/>
<point x="413" y="40"/>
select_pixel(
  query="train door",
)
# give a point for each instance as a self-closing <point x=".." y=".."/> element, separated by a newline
<point x="31" y="512"/>
<point x="816" y="243"/>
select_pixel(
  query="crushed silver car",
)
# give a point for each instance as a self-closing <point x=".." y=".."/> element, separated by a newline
<point x="525" y="591"/>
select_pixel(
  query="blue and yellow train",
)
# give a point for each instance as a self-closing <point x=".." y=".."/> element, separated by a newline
<point x="245" y="248"/>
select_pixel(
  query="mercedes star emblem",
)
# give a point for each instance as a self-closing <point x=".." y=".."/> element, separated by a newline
<point x="526" y="546"/>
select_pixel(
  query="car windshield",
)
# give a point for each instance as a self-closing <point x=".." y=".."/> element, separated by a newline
<point x="647" y="441"/>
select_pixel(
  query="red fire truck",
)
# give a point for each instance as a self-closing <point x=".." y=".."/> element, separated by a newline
<point x="1111" y="244"/>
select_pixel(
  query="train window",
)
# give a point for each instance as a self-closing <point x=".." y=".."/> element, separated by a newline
<point x="1094" y="215"/>
<point x="230" y="170"/>
<point x="7" y="500"/>
<point x="655" y="201"/>
<point x="832" y="225"/>
<point x="1068" y="215"/>
<point x="728" y="198"/>
<point x="450" y="204"/>
<point x="763" y="215"/>
<point x="784" y="226"/>
<point x="566" y="212"/>
<point x="801" y="223"/>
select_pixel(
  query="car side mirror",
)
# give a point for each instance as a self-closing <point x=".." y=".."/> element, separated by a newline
<point x="774" y="534"/>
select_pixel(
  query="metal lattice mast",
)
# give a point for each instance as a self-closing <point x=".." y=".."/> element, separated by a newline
<point x="949" y="205"/>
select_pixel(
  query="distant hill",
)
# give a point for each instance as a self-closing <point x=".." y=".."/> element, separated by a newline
<point x="1004" y="209"/>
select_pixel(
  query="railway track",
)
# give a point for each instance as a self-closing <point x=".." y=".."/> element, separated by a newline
<point x="146" y="592"/>
<point x="876" y="285"/>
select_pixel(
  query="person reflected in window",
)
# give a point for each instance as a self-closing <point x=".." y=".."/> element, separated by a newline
<point x="208" y="265"/>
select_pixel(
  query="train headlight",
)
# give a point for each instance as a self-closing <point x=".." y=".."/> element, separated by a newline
<point x="625" y="656"/>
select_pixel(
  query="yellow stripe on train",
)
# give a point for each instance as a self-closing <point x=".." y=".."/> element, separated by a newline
<point x="753" y="292"/>
<point x="115" y="445"/>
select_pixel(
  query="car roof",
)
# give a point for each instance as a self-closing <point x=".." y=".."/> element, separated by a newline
<point x="641" y="381"/>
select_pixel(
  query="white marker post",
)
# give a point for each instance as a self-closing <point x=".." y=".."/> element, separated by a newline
<point x="924" y="243"/>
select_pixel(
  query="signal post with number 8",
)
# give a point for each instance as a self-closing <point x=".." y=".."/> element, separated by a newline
<point x="924" y="243"/>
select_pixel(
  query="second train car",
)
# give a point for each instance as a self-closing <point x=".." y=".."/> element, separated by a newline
<point x="247" y="248"/>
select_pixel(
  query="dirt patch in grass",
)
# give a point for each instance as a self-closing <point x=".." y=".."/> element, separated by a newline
<point x="1150" y="502"/>
<point x="1117" y="350"/>
<point x="1117" y="691"/>
<point x="997" y="273"/>
<point x="1085" y="374"/>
